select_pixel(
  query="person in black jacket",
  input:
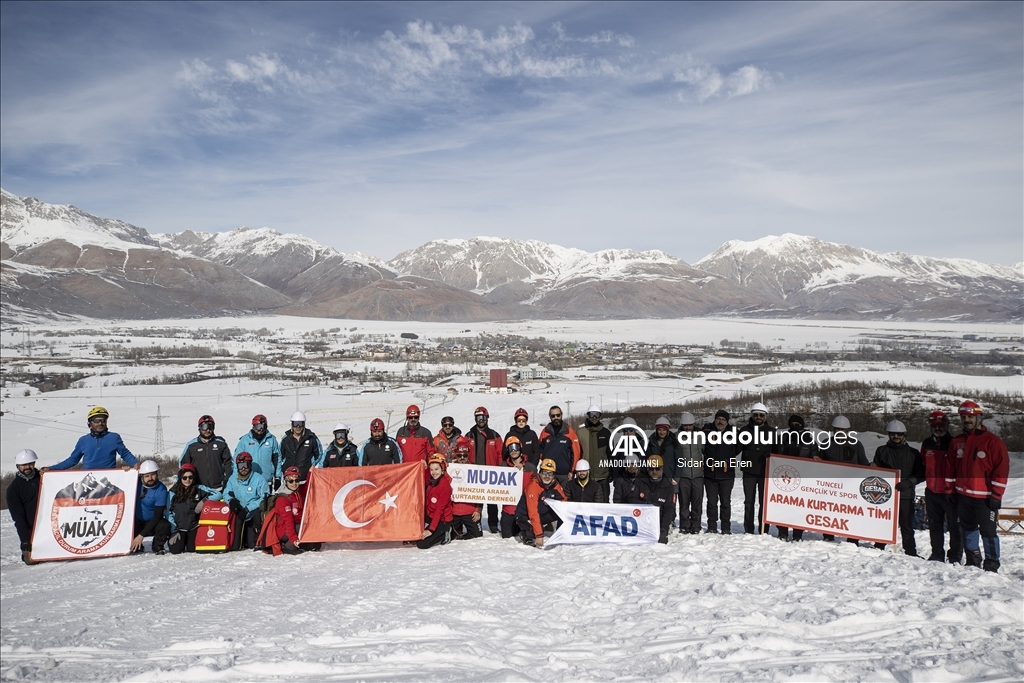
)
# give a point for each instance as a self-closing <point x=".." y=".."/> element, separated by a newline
<point x="719" y="470"/>
<point x="341" y="452"/>
<point x="583" y="489"/>
<point x="754" y="458"/>
<point x="897" y="454"/>
<point x="664" y="443"/>
<point x="23" y="498"/>
<point x="185" y="502"/>
<point x="654" y="488"/>
<point x="300" y="447"/>
<point x="623" y="487"/>
<point x="799" y="443"/>
<point x="210" y="455"/>
<point x="528" y="439"/>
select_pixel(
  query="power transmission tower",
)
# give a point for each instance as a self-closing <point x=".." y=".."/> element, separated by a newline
<point x="158" y="438"/>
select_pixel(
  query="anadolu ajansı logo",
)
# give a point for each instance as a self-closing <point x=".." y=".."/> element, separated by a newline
<point x="631" y="443"/>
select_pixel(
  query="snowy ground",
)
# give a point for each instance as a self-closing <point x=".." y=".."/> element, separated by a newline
<point x="702" y="608"/>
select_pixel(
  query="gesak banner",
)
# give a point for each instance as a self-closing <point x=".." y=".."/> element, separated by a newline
<point x="485" y="484"/>
<point x="851" y="501"/>
<point x="84" y="513"/>
<point x="589" y="523"/>
<point x="375" y="503"/>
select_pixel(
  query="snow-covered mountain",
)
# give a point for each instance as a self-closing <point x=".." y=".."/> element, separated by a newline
<point x="814" y="275"/>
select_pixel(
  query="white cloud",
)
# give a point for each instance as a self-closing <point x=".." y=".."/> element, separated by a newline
<point x="707" y="81"/>
<point x="747" y="80"/>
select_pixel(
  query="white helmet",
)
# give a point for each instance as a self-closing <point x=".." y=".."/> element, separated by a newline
<point x="582" y="466"/>
<point x="26" y="456"/>
<point x="148" y="467"/>
<point x="629" y="421"/>
<point x="594" y="409"/>
<point x="759" y="408"/>
<point x="896" y="427"/>
<point x="341" y="427"/>
<point x="687" y="419"/>
<point x="299" y="416"/>
<point x="840" y="422"/>
<point x="662" y="421"/>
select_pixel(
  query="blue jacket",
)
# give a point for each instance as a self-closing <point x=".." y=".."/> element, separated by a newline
<point x="266" y="455"/>
<point x="250" y="493"/>
<point x="97" y="452"/>
<point x="147" y="499"/>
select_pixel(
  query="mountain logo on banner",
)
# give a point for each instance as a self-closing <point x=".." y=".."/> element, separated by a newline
<point x="86" y="514"/>
<point x="388" y="501"/>
<point x="875" y="490"/>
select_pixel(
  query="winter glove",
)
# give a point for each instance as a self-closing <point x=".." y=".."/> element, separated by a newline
<point x="904" y="486"/>
<point x="994" y="504"/>
<point x="26" y="547"/>
<point x="199" y="507"/>
<point x="173" y="539"/>
<point x="238" y="508"/>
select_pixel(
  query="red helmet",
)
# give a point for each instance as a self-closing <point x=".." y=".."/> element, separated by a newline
<point x="969" y="408"/>
<point x="207" y="418"/>
<point x="938" y="418"/>
<point x="412" y="411"/>
<point x="187" y="467"/>
<point x="521" y="411"/>
<point x="259" y="420"/>
<point x="481" y="411"/>
<point x="463" y="445"/>
<point x="377" y="425"/>
<point x="293" y="471"/>
<point x="243" y="457"/>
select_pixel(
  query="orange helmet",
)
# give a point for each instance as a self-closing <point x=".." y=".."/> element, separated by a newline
<point x="439" y="459"/>
<point x="547" y="465"/>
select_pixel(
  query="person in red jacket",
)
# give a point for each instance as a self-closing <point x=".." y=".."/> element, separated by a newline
<point x="982" y="468"/>
<point x="415" y="441"/>
<point x="486" y="450"/>
<point x="444" y="442"/>
<point x="517" y="457"/>
<point x="438" y="511"/>
<point x="289" y="513"/>
<point x="465" y="516"/>
<point x="939" y="499"/>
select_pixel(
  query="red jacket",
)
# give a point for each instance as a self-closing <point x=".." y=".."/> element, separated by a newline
<point x="982" y="464"/>
<point x="446" y="446"/>
<point x="527" y="478"/>
<point x="418" y="446"/>
<point x="939" y="466"/>
<point x="535" y="495"/>
<point x="289" y="512"/>
<point x="492" y="446"/>
<point x="438" y="499"/>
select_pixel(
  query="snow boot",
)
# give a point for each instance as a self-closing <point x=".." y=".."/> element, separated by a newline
<point x="990" y="565"/>
<point x="954" y="559"/>
<point x="937" y="556"/>
<point x="973" y="558"/>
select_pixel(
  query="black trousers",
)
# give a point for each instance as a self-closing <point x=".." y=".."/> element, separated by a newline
<point x="753" y="493"/>
<point x="161" y="532"/>
<point x="975" y="517"/>
<point x="606" y="486"/>
<point x="492" y="518"/>
<point x="906" y="521"/>
<point x="463" y="526"/>
<point x="719" y="492"/>
<point x="441" y="535"/>
<point x="691" y="499"/>
<point x="942" y="514"/>
<point x="526" y="528"/>
<point x="509" y="525"/>
<point x="183" y="541"/>
<point x="247" y="530"/>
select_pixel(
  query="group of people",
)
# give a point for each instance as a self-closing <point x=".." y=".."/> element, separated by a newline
<point x="263" y="479"/>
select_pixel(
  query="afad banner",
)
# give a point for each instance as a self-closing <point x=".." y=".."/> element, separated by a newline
<point x="378" y="503"/>
<point x="851" y="501"/>
<point x="84" y="513"/>
<point x="589" y="523"/>
<point x="485" y="484"/>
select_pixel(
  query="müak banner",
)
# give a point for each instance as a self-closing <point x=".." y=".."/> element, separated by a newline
<point x="485" y="484"/>
<point x="851" y="501"/>
<point x="84" y="513"/>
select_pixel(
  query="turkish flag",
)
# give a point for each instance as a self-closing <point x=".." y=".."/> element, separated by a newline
<point x="379" y="503"/>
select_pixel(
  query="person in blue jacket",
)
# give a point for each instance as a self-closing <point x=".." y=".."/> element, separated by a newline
<point x="243" y="493"/>
<point x="265" y="451"/>
<point x="97" y="450"/>
<point x="150" y="506"/>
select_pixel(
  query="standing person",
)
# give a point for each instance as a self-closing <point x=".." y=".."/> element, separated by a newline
<point x="485" y="449"/>
<point x="97" y="450"/>
<point x="515" y="457"/>
<point x="719" y="471"/>
<point x="341" y="452"/>
<point x="583" y="489"/>
<point x="150" y="507"/>
<point x="528" y="438"/>
<point x="654" y="488"/>
<point x="300" y="447"/>
<point x="23" y="499"/>
<point x="438" y="505"/>
<point x="533" y="513"/>
<point x="982" y="468"/>
<point x="663" y="442"/>
<point x="845" y="449"/>
<point x="690" y="475"/>
<point x="754" y="456"/>
<point x="265" y="451"/>
<point x="184" y="506"/>
<point x="444" y="442"/>
<point x="288" y="508"/>
<point x="465" y="522"/>
<point x="244" y="493"/>
<point x="624" y="486"/>
<point x="211" y="456"/>
<point x="798" y="443"/>
<point x="897" y="454"/>
<point x="379" y="449"/>
<point x="559" y="443"/>
<point x="939" y="493"/>
<point x="594" y="438"/>
<point x="415" y="440"/>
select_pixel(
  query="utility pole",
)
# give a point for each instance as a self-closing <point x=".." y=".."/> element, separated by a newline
<point x="158" y="437"/>
<point x="568" y="408"/>
<point x="389" y="419"/>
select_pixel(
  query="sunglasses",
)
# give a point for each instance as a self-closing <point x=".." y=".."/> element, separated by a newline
<point x="187" y="477"/>
<point x="555" y="417"/>
<point x="447" y="424"/>
<point x="291" y="481"/>
<point x="97" y="419"/>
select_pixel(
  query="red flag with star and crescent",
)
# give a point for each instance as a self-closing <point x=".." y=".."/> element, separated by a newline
<point x="378" y="503"/>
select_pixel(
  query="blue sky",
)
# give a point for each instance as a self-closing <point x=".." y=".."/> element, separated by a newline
<point x="377" y="127"/>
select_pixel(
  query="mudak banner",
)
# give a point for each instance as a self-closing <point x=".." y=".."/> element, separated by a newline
<point x="379" y="503"/>
<point x="851" y="501"/>
<point x="485" y="484"/>
<point x="84" y="513"/>
<point x="585" y="523"/>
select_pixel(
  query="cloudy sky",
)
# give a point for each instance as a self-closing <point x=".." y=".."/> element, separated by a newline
<point x="377" y="127"/>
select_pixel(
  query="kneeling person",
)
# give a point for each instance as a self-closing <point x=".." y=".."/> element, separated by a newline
<point x="150" y="505"/>
<point x="243" y="493"/>
<point x="654" y="488"/>
<point x="465" y="522"/>
<point x="438" y="512"/>
<point x="533" y="513"/>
